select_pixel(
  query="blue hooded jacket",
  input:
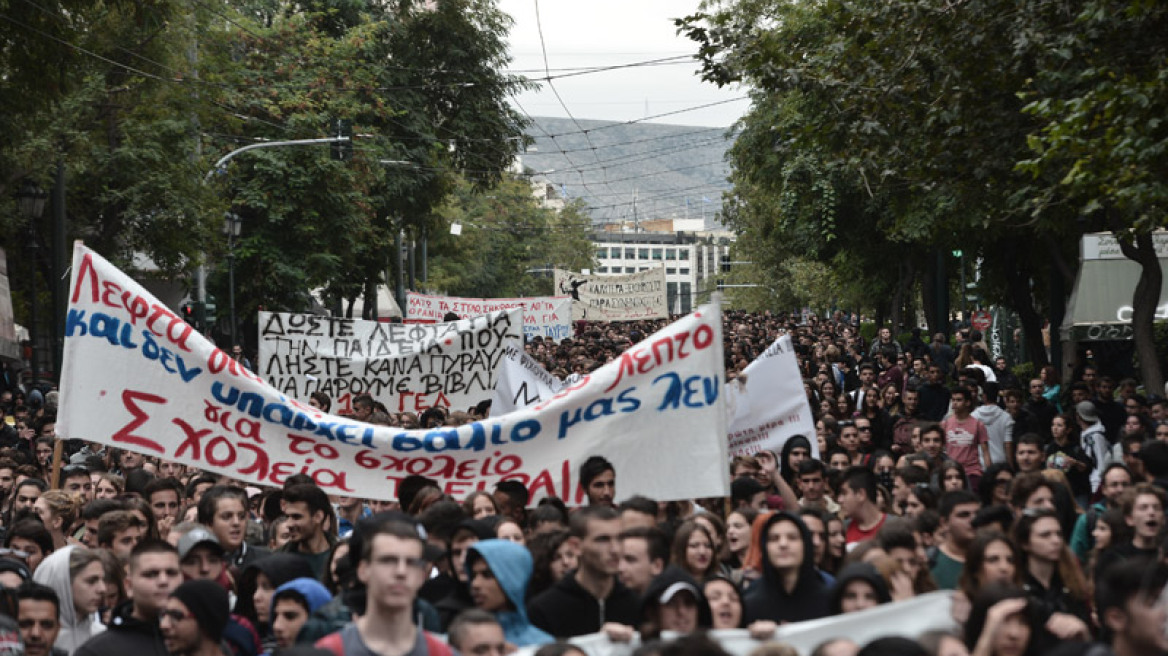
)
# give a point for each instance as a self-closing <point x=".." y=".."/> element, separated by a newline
<point x="312" y="590"/>
<point x="511" y="564"/>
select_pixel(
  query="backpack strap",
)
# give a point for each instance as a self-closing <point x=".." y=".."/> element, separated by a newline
<point x="332" y="642"/>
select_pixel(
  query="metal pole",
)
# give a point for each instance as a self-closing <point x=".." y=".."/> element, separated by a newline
<point x="231" y="286"/>
<point x="32" y="300"/>
<point x="399" y="285"/>
<point x="60" y="259"/>
<point x="964" y="309"/>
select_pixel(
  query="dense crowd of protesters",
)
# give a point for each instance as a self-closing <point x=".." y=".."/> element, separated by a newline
<point x="1039" y="503"/>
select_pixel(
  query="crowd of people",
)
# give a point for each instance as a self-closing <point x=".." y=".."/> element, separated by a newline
<point x="1040" y="504"/>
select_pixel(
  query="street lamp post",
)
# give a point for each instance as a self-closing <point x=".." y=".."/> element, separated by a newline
<point x="232" y="224"/>
<point x="31" y="202"/>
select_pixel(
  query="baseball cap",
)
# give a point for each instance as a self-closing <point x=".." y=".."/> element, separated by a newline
<point x="1086" y="410"/>
<point x="195" y="537"/>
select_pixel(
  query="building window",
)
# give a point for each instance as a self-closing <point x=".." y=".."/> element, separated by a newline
<point x="630" y="253"/>
<point x="657" y="253"/>
<point x="671" y="253"/>
<point x="642" y="253"/>
<point x="683" y="254"/>
<point x="630" y="269"/>
<point x="685" y="272"/>
<point x="602" y="252"/>
<point x="602" y="270"/>
<point x="671" y="272"/>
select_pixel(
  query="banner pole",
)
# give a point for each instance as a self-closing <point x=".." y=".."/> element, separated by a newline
<point x="58" y="451"/>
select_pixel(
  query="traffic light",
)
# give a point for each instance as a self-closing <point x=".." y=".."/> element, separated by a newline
<point x="342" y="151"/>
<point x="188" y="313"/>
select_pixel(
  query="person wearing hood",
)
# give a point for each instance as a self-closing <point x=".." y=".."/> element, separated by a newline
<point x="153" y="573"/>
<point x="499" y="571"/>
<point x="789" y="590"/>
<point x="674" y="602"/>
<point x="77" y="576"/>
<point x="259" y="582"/>
<point x="468" y="533"/>
<point x="796" y="449"/>
<point x="292" y="604"/>
<point x="858" y="587"/>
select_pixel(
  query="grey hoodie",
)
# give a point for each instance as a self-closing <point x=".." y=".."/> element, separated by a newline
<point x="54" y="572"/>
<point x="1000" y="429"/>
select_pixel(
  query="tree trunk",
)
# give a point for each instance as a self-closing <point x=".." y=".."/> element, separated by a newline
<point x="895" y="316"/>
<point x="1023" y="302"/>
<point x="929" y="299"/>
<point x="1142" y="250"/>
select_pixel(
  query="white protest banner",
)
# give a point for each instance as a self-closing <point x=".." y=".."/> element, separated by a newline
<point x="522" y="381"/>
<point x="615" y="298"/>
<point x="909" y="618"/>
<point x="549" y="317"/>
<point x="767" y="403"/>
<point x="136" y="376"/>
<point x="399" y="365"/>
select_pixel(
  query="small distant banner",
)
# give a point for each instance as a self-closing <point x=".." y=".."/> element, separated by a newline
<point x="549" y="317"/>
<point x="767" y="404"/>
<point x="136" y="376"/>
<point x="629" y="297"/>
<point x="408" y="367"/>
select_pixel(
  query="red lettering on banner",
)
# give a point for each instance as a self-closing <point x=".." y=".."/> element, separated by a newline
<point x="645" y="358"/>
<point x="126" y="434"/>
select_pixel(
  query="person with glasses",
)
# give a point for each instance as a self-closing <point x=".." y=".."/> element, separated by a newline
<point x="153" y="574"/>
<point x="391" y="565"/>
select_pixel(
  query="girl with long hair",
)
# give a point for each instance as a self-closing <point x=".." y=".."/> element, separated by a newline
<point x="1050" y="572"/>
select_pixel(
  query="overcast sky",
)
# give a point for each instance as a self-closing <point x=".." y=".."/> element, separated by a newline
<point x="587" y="33"/>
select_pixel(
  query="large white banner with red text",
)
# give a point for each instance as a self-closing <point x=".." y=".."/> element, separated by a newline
<point x="136" y="376"/>
<point x="767" y="403"/>
<point x="394" y="363"/>
<point x="549" y="317"/>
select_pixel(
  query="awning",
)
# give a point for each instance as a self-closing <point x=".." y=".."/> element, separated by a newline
<point x="1100" y="308"/>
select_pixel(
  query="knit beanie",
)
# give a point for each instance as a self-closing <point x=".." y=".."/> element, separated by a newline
<point x="208" y="602"/>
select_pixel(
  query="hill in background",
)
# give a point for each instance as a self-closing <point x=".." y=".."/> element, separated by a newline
<point x="672" y="171"/>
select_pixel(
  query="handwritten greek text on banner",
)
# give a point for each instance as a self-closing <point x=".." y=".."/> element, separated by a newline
<point x="394" y="363"/>
<point x="523" y="381"/>
<point x="549" y="317"/>
<point x="615" y="298"/>
<point x="768" y="404"/>
<point x="136" y="376"/>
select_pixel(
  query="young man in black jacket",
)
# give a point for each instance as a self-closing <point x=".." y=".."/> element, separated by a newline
<point x="153" y="574"/>
<point x="587" y="599"/>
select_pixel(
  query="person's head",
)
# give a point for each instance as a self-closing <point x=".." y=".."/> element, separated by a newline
<point x="738" y="530"/>
<point x="859" y="586"/>
<point x="725" y="600"/>
<point x="38" y="618"/>
<point x="898" y="541"/>
<point x="480" y="504"/>
<point x="1038" y="534"/>
<point x="812" y="480"/>
<point x="165" y="498"/>
<point x="76" y="481"/>
<point x="932" y="440"/>
<point x="1110" y="529"/>
<point x="1031" y="490"/>
<point x="279" y="533"/>
<point x="1143" y="510"/>
<point x="476" y="632"/>
<point x="152" y="574"/>
<point x="857" y="493"/>
<point x="87" y="577"/>
<point x="636" y="511"/>
<point x="1130" y="607"/>
<point x="120" y="531"/>
<point x="1116" y="480"/>
<point x="694" y="549"/>
<point x="952" y="475"/>
<point x="292" y="604"/>
<point x="993" y="557"/>
<point x="597" y="530"/>
<point x="223" y="509"/>
<point x="201" y="555"/>
<point x="57" y="510"/>
<point x="674" y="602"/>
<point x="598" y="478"/>
<point x="512" y="497"/>
<point x="26" y="493"/>
<point x="957" y="509"/>
<point x="194" y="617"/>
<point x="1028" y="453"/>
<point x="308" y="510"/>
<point x="30" y="536"/>
<point x="849" y="437"/>
<point x="748" y="492"/>
<point x="903" y="480"/>
<point x="107" y="485"/>
<point x="1014" y="633"/>
<point x="391" y="566"/>
<point x="644" y="554"/>
<point x="787" y="544"/>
